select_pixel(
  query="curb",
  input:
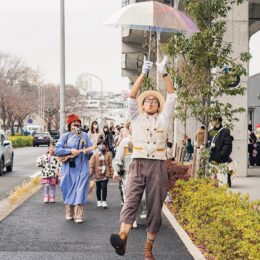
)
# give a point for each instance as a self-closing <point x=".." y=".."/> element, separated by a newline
<point x="193" y="250"/>
<point x="6" y="208"/>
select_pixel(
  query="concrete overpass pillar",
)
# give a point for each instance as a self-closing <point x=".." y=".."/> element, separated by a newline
<point x="238" y="34"/>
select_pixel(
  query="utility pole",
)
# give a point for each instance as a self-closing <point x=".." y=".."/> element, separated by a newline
<point x="62" y="67"/>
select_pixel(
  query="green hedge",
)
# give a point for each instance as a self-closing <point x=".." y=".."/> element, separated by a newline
<point x="223" y="224"/>
<point x="21" y="141"/>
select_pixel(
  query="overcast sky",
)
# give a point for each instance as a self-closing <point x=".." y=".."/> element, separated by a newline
<point x="30" y="29"/>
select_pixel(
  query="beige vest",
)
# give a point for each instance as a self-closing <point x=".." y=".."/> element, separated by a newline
<point x="149" y="135"/>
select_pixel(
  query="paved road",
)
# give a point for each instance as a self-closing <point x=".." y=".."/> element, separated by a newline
<point x="24" y="166"/>
<point x="39" y="231"/>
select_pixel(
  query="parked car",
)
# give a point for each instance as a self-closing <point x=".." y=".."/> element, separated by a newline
<point x="55" y="134"/>
<point x="6" y="153"/>
<point x="42" y="138"/>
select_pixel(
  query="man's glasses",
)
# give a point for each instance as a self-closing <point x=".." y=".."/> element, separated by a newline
<point x="76" y="125"/>
<point x="151" y="100"/>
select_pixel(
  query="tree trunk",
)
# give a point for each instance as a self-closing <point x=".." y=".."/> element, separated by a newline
<point x="49" y="127"/>
<point x="12" y="127"/>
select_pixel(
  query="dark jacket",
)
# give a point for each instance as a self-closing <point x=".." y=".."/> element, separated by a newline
<point x="109" y="140"/>
<point x="189" y="148"/>
<point x="223" y="145"/>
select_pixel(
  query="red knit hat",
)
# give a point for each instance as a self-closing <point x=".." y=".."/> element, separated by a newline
<point x="72" y="118"/>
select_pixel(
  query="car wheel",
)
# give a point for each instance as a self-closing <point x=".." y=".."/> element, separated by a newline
<point x="9" y="168"/>
<point x="1" y="167"/>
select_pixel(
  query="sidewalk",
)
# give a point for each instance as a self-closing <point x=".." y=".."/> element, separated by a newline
<point x="250" y="184"/>
<point x="39" y="231"/>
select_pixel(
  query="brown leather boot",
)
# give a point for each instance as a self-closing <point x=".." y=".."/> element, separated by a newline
<point x="148" y="255"/>
<point x="78" y="213"/>
<point x="69" y="209"/>
<point x="118" y="241"/>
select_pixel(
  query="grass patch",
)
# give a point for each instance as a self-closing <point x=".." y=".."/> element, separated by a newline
<point x="21" y="141"/>
<point x="21" y="191"/>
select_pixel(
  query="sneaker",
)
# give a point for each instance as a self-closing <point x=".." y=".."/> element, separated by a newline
<point x="99" y="203"/>
<point x="104" y="205"/>
<point x="118" y="241"/>
<point x="51" y="199"/>
<point x="46" y="199"/>
<point x="143" y="215"/>
<point x="135" y="224"/>
<point x="78" y="220"/>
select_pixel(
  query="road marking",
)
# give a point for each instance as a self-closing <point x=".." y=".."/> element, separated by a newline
<point x="35" y="174"/>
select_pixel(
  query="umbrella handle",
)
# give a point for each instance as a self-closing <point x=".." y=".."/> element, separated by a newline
<point x="149" y="48"/>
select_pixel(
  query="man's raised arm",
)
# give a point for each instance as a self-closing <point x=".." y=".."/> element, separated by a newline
<point x="138" y="83"/>
<point x="162" y="68"/>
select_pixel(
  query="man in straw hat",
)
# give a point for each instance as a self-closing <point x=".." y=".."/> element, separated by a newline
<point x="150" y="116"/>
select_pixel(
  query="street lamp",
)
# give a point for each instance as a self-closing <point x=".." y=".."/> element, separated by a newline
<point x="101" y="84"/>
<point x="62" y="68"/>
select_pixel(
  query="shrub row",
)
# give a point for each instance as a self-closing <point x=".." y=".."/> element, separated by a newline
<point x="176" y="172"/>
<point x="223" y="224"/>
<point x="21" y="141"/>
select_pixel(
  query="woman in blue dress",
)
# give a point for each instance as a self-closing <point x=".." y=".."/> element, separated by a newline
<point x="75" y="171"/>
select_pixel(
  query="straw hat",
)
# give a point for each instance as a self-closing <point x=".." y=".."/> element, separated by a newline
<point x="148" y="93"/>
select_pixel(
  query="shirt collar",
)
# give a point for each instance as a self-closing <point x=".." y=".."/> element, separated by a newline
<point x="154" y="115"/>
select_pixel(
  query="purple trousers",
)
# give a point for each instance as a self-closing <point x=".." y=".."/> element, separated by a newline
<point x="151" y="176"/>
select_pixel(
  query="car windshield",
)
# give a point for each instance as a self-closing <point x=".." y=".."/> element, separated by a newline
<point x="54" y="132"/>
<point x="41" y="134"/>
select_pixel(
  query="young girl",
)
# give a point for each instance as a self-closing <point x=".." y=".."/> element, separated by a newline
<point x="101" y="168"/>
<point x="50" y="168"/>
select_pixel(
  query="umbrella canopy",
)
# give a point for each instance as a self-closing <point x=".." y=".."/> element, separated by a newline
<point x="152" y="16"/>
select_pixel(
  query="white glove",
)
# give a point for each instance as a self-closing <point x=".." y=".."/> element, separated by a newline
<point x="162" y="66"/>
<point x="147" y="65"/>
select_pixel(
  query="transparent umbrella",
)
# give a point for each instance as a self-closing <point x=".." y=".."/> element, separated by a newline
<point x="152" y="16"/>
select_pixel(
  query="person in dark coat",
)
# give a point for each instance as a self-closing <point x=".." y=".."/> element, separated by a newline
<point x="251" y="145"/>
<point x="220" y="143"/>
<point x="189" y="150"/>
<point x="109" y="139"/>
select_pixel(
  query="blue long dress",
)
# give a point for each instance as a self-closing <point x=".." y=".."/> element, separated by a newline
<point x="75" y="180"/>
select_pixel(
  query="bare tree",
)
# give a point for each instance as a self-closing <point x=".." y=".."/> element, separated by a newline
<point x="52" y="103"/>
<point x="17" y="91"/>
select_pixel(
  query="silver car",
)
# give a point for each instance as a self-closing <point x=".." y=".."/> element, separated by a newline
<point x="6" y="153"/>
